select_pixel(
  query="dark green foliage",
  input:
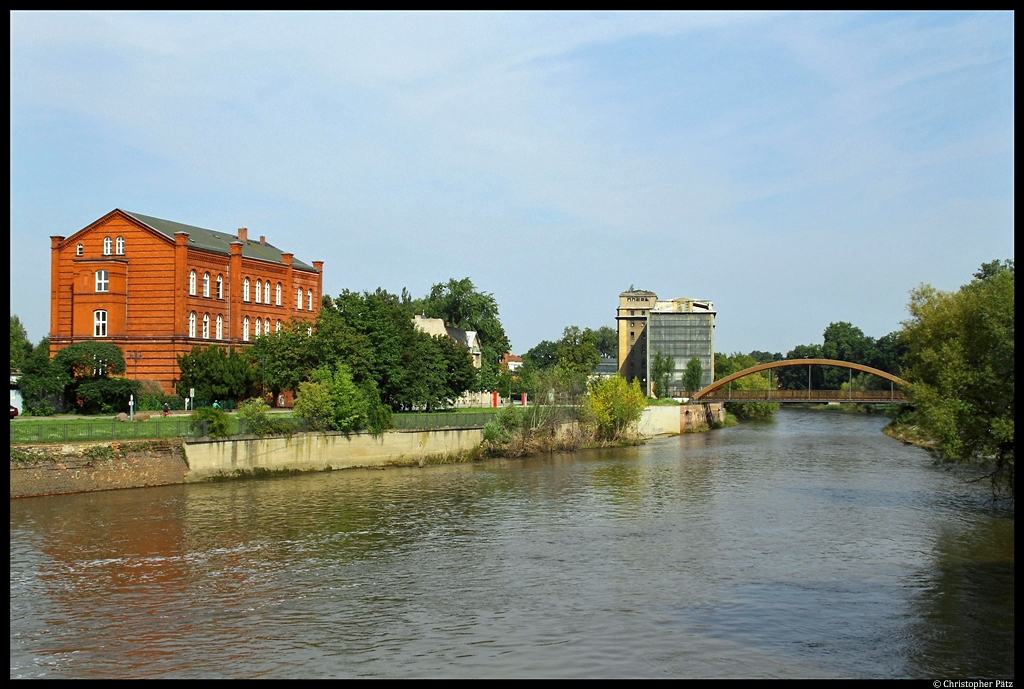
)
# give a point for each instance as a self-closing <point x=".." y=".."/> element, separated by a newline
<point x="693" y="374"/>
<point x="87" y="367"/>
<point x="661" y="373"/>
<point x="217" y="422"/>
<point x="543" y="356"/>
<point x="960" y="363"/>
<point x="459" y="304"/>
<point x="607" y="341"/>
<point x="42" y="383"/>
<point x="21" y="347"/>
<point x="217" y="373"/>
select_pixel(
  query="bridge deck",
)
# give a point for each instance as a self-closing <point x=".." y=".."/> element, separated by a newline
<point x="797" y="396"/>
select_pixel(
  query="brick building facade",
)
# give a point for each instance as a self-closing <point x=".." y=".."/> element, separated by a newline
<point x="156" y="288"/>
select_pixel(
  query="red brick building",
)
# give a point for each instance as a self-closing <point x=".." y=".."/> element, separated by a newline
<point x="156" y="288"/>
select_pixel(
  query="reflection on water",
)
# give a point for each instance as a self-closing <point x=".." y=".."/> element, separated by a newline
<point x="808" y="546"/>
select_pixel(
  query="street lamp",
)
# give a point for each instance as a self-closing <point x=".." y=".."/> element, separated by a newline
<point x="135" y="356"/>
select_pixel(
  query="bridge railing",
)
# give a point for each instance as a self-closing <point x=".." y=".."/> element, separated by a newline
<point x="862" y="396"/>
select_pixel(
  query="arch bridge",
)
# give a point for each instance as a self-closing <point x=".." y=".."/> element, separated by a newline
<point x="716" y="393"/>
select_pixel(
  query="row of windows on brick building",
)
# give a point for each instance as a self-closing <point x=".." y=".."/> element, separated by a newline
<point x="108" y="245"/>
<point x="103" y="285"/>
<point x="261" y="326"/>
<point x="262" y="291"/>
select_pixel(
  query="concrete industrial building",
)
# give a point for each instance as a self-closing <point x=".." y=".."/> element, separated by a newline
<point x="682" y="328"/>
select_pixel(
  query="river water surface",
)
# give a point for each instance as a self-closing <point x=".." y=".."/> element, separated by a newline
<point x="808" y="546"/>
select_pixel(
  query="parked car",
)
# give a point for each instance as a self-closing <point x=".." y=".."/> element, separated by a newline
<point x="14" y="411"/>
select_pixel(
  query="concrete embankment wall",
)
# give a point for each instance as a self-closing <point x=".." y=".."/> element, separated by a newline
<point x="84" y="467"/>
<point x="672" y="420"/>
<point x="320" y="451"/>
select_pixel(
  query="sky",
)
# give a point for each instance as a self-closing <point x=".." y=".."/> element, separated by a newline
<point x="795" y="169"/>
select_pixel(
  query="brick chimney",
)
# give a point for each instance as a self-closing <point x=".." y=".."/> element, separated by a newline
<point x="263" y="240"/>
<point x="243" y="234"/>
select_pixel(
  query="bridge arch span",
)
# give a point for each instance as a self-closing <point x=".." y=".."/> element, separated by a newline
<point x="797" y="362"/>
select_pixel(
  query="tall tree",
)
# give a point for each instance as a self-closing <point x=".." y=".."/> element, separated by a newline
<point x="21" y="347"/>
<point x="92" y="367"/>
<point x="459" y="304"/>
<point x="960" y="363"/>
<point x="693" y="374"/>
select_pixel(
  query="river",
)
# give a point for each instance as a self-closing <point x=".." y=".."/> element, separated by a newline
<point x="808" y="546"/>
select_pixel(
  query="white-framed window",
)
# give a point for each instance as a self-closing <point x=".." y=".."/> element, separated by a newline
<point x="102" y="281"/>
<point x="106" y="246"/>
<point x="259" y="327"/>
<point x="278" y="325"/>
<point x="220" y="327"/>
<point x="99" y="323"/>
<point x="266" y="292"/>
<point x="309" y="331"/>
<point x="206" y="284"/>
<point x="245" y="290"/>
<point x="245" y="328"/>
<point x="220" y="287"/>
<point x="119" y="246"/>
<point x="278" y="295"/>
<point x="192" y="282"/>
<point x="79" y="250"/>
<point x="192" y="324"/>
<point x="266" y="326"/>
<point x="309" y="299"/>
<point x="298" y="299"/>
<point x="206" y="326"/>
<point x="259" y="291"/>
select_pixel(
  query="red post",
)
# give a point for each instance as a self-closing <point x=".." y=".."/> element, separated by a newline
<point x="524" y="399"/>
<point x="494" y="399"/>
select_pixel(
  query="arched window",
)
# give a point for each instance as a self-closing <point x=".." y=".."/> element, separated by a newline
<point x="79" y="249"/>
<point x="99" y="323"/>
<point x="120" y="246"/>
<point x="102" y="281"/>
<point x="309" y="299"/>
<point x="298" y="300"/>
<point x="220" y="287"/>
<point x="277" y="299"/>
<point x="278" y="325"/>
<point x="192" y="282"/>
<point x="266" y="326"/>
<point x="206" y="326"/>
<point x="245" y="290"/>
<point x="220" y="328"/>
<point x="206" y="284"/>
<point x="259" y="327"/>
<point x="245" y="328"/>
<point x="259" y="291"/>
<point x="106" y="246"/>
<point x="266" y="292"/>
<point x="192" y="324"/>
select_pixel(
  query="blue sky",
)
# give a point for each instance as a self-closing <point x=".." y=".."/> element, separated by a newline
<point x="795" y="169"/>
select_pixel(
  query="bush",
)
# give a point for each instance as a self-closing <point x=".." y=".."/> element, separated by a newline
<point x="614" y="406"/>
<point x="216" y="421"/>
<point x="253" y="412"/>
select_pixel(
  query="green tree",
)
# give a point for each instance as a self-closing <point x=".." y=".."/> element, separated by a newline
<point x="543" y="356"/>
<point x="661" y="373"/>
<point x="615" y="406"/>
<point x="959" y="363"/>
<point x="461" y="305"/>
<point x="577" y="358"/>
<point x="216" y="373"/>
<point x="751" y="410"/>
<point x="693" y="374"/>
<point x="42" y="383"/>
<point x="607" y="341"/>
<point x="91" y="369"/>
<point x="21" y="347"/>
